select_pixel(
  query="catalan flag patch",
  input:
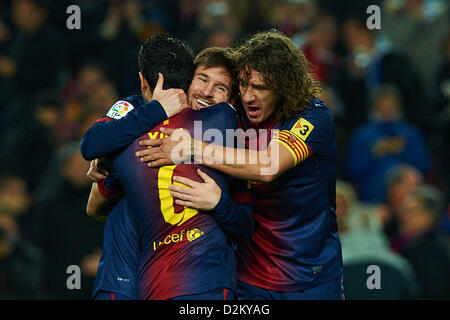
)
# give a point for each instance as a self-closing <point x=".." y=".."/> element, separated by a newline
<point x="296" y="146"/>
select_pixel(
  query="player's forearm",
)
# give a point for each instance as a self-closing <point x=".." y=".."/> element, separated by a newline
<point x="106" y="137"/>
<point x="240" y="163"/>
<point x="98" y="206"/>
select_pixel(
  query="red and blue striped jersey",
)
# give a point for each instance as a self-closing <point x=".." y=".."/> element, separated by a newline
<point x="295" y="243"/>
<point x="182" y="250"/>
<point x="118" y="265"/>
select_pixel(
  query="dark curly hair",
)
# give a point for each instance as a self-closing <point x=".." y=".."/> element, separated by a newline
<point x="283" y="66"/>
<point x="170" y="56"/>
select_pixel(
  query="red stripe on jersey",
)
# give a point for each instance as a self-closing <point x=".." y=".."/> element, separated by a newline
<point x="107" y="193"/>
<point x="103" y="119"/>
<point x="241" y="197"/>
<point x="309" y="150"/>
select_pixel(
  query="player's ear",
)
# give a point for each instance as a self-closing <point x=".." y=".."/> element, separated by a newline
<point x="145" y="88"/>
<point x="144" y="84"/>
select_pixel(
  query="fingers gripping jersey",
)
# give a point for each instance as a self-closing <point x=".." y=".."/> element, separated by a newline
<point x="183" y="251"/>
<point x="295" y="243"/>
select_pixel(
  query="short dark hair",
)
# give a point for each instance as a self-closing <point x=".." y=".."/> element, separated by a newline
<point x="218" y="57"/>
<point x="170" y="56"/>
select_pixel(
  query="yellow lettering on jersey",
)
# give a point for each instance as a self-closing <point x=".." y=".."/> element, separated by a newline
<point x="191" y="235"/>
<point x="167" y="209"/>
<point x="302" y="128"/>
<point x="153" y="135"/>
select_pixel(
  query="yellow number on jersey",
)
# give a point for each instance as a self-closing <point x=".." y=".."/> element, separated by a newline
<point x="164" y="180"/>
<point x="302" y="128"/>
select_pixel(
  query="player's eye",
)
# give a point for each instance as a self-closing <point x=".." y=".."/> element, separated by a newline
<point x="260" y="88"/>
<point x="243" y="85"/>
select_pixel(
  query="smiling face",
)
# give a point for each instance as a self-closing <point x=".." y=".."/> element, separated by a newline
<point x="259" y="101"/>
<point x="209" y="87"/>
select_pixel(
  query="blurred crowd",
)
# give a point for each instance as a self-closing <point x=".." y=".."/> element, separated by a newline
<point x="389" y="90"/>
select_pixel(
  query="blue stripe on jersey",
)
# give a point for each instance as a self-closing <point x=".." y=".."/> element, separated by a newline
<point x="119" y="262"/>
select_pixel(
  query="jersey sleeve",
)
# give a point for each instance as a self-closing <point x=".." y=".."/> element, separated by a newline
<point x="306" y="134"/>
<point x="110" y="187"/>
<point x="219" y="118"/>
<point x="124" y="122"/>
<point x="233" y="212"/>
<point x="235" y="218"/>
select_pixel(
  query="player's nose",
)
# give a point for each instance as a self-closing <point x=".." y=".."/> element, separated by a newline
<point x="247" y="95"/>
<point x="207" y="91"/>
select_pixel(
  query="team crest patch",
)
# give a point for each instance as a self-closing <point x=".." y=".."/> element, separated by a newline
<point x="194" y="234"/>
<point x="302" y="128"/>
<point x="120" y="109"/>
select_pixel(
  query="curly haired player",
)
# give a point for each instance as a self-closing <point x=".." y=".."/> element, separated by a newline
<point x="294" y="252"/>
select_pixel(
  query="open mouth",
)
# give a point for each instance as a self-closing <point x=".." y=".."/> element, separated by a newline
<point x="253" y="112"/>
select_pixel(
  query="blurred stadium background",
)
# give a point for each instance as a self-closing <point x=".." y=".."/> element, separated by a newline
<point x="389" y="90"/>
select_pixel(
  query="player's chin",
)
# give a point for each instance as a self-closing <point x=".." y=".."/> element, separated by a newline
<point x="195" y="106"/>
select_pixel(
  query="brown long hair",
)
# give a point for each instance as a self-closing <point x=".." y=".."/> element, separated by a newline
<point x="283" y="66"/>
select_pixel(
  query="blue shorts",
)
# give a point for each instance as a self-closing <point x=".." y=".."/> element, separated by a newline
<point x="106" y="295"/>
<point x="215" y="294"/>
<point x="332" y="290"/>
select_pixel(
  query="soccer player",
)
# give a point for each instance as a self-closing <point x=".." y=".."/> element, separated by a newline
<point x="212" y="83"/>
<point x="116" y="273"/>
<point x="294" y="252"/>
